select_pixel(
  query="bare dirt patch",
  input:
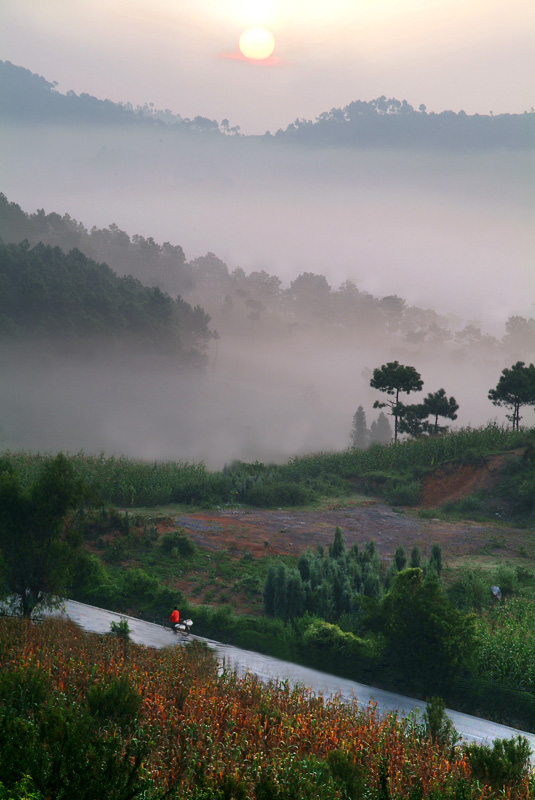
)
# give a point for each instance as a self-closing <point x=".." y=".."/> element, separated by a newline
<point x="458" y="481"/>
<point x="289" y="533"/>
<point x="279" y="532"/>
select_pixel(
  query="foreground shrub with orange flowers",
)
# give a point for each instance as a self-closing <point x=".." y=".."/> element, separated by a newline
<point x="81" y="716"/>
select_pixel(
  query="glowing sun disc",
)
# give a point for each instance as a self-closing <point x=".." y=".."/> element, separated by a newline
<point x="257" y="43"/>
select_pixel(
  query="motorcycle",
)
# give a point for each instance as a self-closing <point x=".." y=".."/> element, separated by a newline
<point x="183" y="627"/>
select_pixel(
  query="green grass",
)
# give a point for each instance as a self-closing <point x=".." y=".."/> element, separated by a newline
<point x="394" y="471"/>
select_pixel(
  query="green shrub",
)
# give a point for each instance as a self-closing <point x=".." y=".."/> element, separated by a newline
<point x="403" y="494"/>
<point x="505" y="578"/>
<point x="324" y="636"/>
<point x="470" y="590"/>
<point x="348" y="772"/>
<point x="55" y="750"/>
<point x="250" y="585"/>
<point x="115" y="702"/>
<point x="89" y="574"/>
<point x="506" y="762"/>
<point x="23" y="691"/>
<point x="25" y="789"/>
<point x="438" y="725"/>
<point x="179" y="541"/>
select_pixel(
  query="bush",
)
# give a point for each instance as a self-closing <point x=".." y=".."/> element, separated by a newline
<point x="54" y="749"/>
<point x="115" y="702"/>
<point x="348" y="772"/>
<point x="505" y="578"/>
<point x="403" y="494"/>
<point x="438" y="725"/>
<point x="176" y="540"/>
<point x="470" y="590"/>
<point x="325" y="637"/>
<point x="249" y="585"/>
<point x="89" y="574"/>
<point x="506" y="762"/>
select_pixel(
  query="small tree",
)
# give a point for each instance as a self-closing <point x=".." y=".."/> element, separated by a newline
<point x="394" y="378"/>
<point x="338" y="546"/>
<point x="400" y="559"/>
<point x="427" y="638"/>
<point x="381" y="430"/>
<point x="435" y="559"/>
<point x="359" y="431"/>
<point x="416" y="557"/>
<point x="439" y="405"/>
<point x="37" y="549"/>
<point x="412" y="419"/>
<point x="516" y="388"/>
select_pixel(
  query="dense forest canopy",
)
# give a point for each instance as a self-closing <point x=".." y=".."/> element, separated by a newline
<point x="25" y="96"/>
<point x="52" y="295"/>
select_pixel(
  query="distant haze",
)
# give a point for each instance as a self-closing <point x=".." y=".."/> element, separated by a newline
<point x="476" y="55"/>
<point x="449" y="230"/>
<point x="445" y="228"/>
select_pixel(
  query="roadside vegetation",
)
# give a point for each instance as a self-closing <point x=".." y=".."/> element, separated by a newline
<point x="338" y="608"/>
<point x="82" y="715"/>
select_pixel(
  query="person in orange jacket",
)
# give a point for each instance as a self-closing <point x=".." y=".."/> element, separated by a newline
<point x="175" y="616"/>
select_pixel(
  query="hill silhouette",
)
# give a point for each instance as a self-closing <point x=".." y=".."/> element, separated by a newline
<point x="381" y="122"/>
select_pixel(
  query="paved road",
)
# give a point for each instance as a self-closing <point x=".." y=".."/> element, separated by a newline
<point x="267" y="668"/>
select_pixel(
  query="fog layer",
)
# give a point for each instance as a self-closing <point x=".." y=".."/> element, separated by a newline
<point x="450" y="231"/>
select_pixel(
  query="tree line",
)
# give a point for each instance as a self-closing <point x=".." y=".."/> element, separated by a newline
<point x="258" y="301"/>
<point x="514" y="390"/>
<point x="382" y="121"/>
<point x="390" y="122"/>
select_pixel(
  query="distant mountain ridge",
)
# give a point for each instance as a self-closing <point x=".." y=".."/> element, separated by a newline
<point x="28" y="97"/>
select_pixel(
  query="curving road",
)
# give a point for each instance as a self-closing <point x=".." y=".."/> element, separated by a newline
<point x="267" y="668"/>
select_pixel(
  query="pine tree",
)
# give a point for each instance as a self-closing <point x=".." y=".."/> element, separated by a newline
<point x="359" y="431"/>
<point x="416" y="557"/>
<point x="338" y="546"/>
<point x="381" y="430"/>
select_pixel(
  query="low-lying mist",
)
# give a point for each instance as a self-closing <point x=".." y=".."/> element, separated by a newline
<point x="252" y="403"/>
<point x="451" y="230"/>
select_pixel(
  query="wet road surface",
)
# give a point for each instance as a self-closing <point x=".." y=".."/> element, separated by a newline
<point x="268" y="668"/>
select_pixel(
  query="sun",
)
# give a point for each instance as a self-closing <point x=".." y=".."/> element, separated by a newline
<point x="257" y="43"/>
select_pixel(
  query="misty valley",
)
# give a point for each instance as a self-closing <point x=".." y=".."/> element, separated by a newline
<point x="285" y="384"/>
<point x="210" y="364"/>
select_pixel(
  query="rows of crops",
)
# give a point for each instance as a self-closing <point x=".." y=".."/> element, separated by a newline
<point x="506" y="652"/>
<point x="411" y="455"/>
<point x="208" y="735"/>
<point x="127" y="482"/>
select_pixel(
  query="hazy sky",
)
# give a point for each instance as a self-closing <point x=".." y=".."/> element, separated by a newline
<point x="476" y="55"/>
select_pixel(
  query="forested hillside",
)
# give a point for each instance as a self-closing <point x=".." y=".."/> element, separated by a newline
<point x="52" y="295"/>
<point x="387" y="122"/>
<point x="258" y="305"/>
<point x="25" y="96"/>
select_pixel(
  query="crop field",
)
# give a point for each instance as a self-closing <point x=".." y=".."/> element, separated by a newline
<point x="395" y="469"/>
<point x="506" y="650"/>
<point x="171" y="724"/>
